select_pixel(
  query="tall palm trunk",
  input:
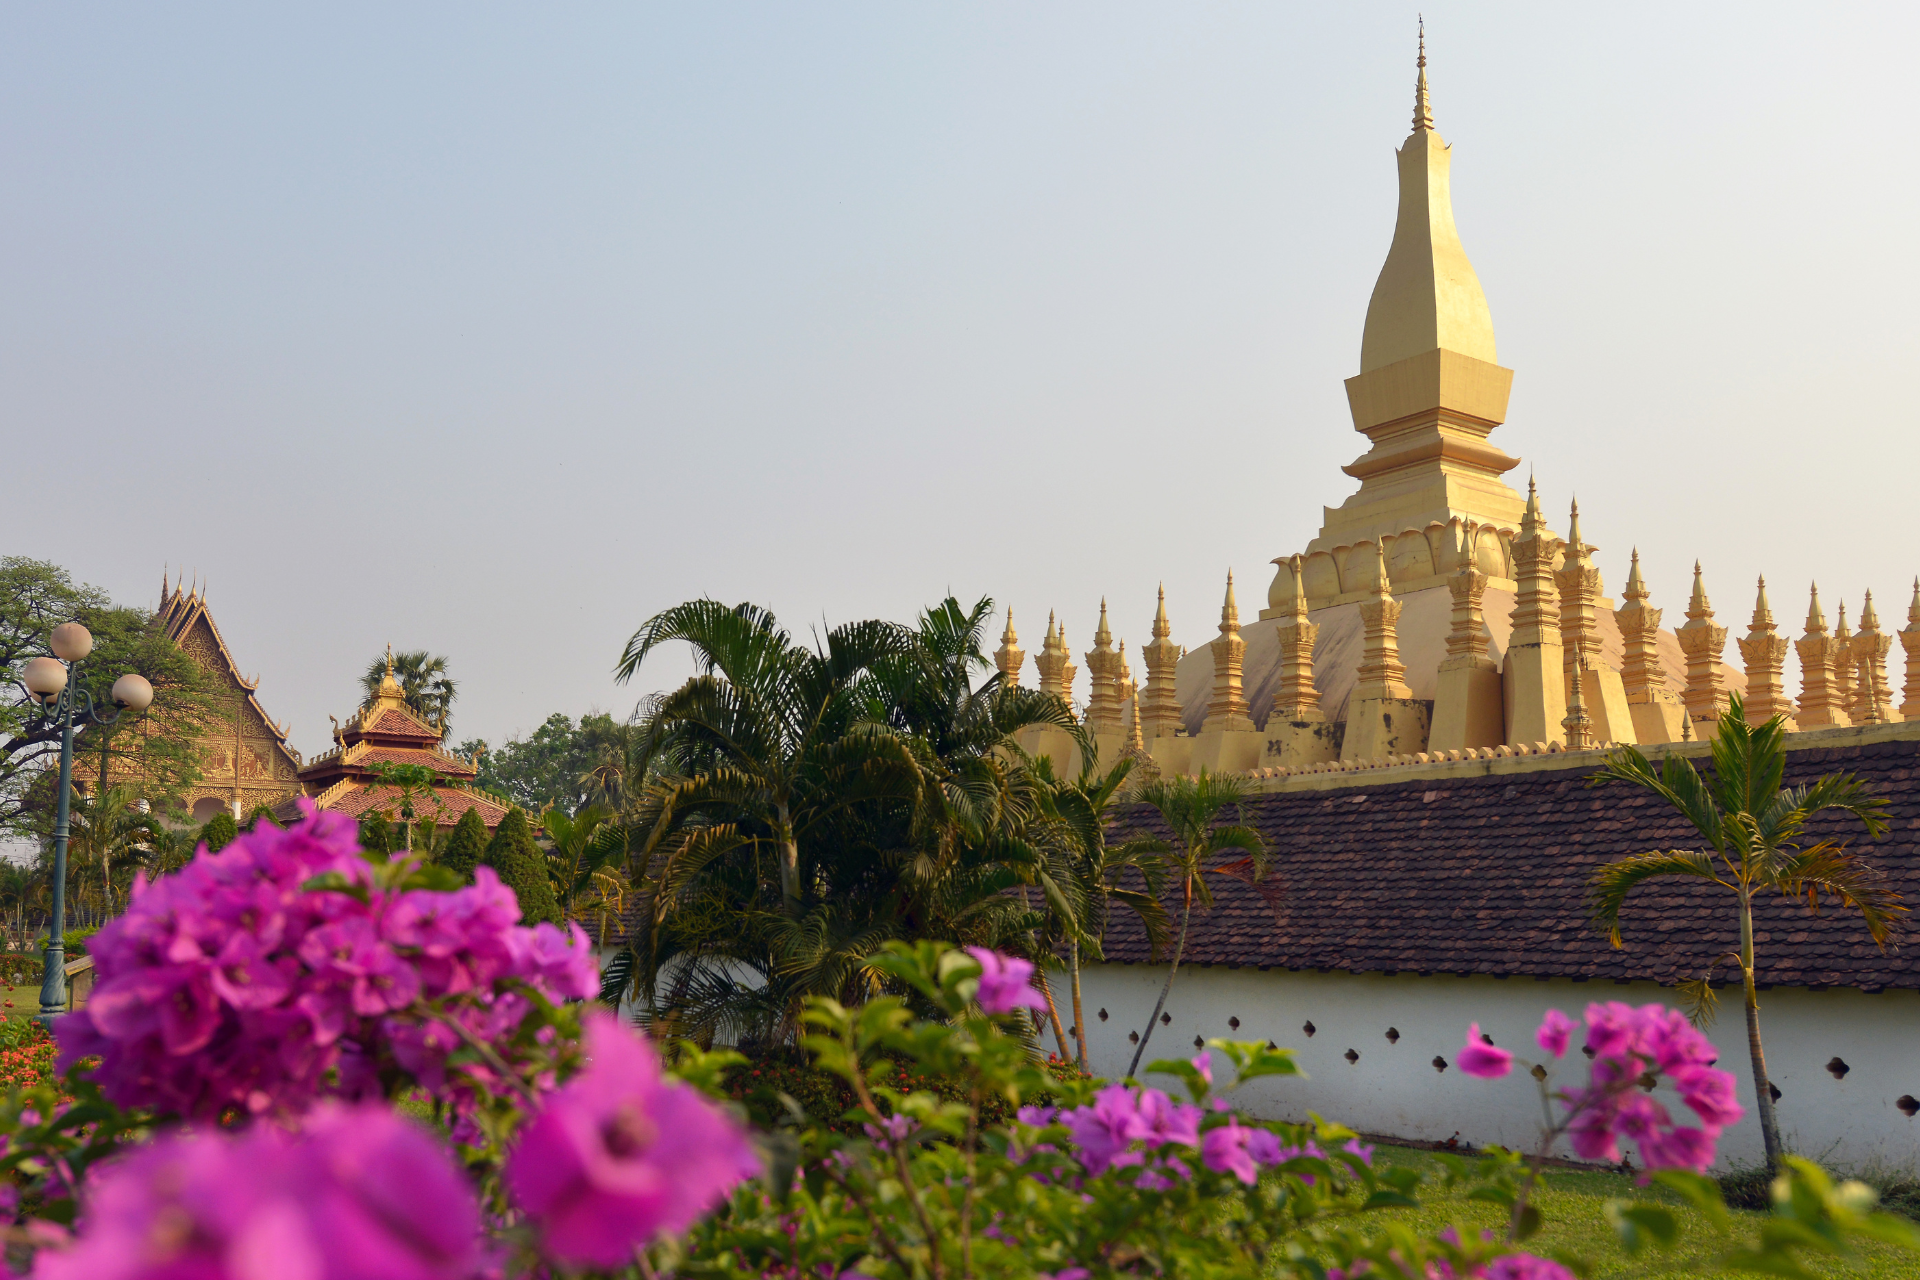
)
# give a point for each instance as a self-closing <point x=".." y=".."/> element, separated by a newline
<point x="1762" y="1087"/>
<point x="1079" y="1017"/>
<point x="789" y="861"/>
<point x="1053" y="1013"/>
<point x="1179" y="949"/>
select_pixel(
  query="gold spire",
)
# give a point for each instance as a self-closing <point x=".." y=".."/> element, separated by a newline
<point x="1762" y="615"/>
<point x="1840" y="631"/>
<point x="1229" y="611"/>
<point x="1869" y="620"/>
<point x="1162" y="628"/>
<point x="1532" y="523"/>
<point x="1102" y="635"/>
<point x="1575" y="547"/>
<point x="1817" y="620"/>
<point x="1697" y="606"/>
<point x="1427" y="295"/>
<point x="1009" y="656"/>
<point x="1422" y="108"/>
<point x="1636" y="588"/>
<point x="1913" y="610"/>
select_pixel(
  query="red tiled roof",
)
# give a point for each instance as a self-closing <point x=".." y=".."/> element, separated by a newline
<point x="1488" y="875"/>
<point x="443" y="764"/>
<point x="453" y="803"/>
<point x="399" y="724"/>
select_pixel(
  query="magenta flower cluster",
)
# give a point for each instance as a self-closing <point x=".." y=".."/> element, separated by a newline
<point x="617" y="1155"/>
<point x="1633" y="1050"/>
<point x="231" y="984"/>
<point x="1129" y="1127"/>
<point x="358" y="1192"/>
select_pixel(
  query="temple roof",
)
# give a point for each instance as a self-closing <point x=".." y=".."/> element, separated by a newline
<point x="1488" y="874"/>
<point x="179" y="613"/>
<point x="1428" y="295"/>
<point x="356" y="799"/>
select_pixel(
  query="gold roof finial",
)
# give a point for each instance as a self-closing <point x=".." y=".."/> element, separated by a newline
<point x="1422" y="107"/>
<point x="389" y="657"/>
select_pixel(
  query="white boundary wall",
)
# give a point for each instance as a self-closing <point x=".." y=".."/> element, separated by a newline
<point x="1393" y="1089"/>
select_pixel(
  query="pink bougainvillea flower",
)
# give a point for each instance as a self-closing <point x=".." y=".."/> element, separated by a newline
<point x="1164" y="1121"/>
<point x="1228" y="1150"/>
<point x="1478" y="1058"/>
<point x="1105" y="1131"/>
<point x="1203" y="1063"/>
<point x="1554" y="1031"/>
<point x="359" y="1192"/>
<point x="618" y="1156"/>
<point x="1004" y="983"/>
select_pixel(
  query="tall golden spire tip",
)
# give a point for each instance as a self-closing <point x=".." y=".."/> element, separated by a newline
<point x="1422" y="106"/>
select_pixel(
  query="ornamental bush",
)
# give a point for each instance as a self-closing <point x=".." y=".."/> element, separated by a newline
<point x="219" y="832"/>
<point x="227" y="1109"/>
<point x="465" y="846"/>
<point x="522" y="867"/>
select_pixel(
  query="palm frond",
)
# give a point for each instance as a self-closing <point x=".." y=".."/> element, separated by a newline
<point x="1608" y="887"/>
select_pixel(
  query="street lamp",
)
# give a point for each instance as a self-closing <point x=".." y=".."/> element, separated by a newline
<point x="63" y="702"/>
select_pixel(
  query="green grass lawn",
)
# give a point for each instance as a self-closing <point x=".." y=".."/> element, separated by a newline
<point x="1572" y="1200"/>
<point x="26" y="1001"/>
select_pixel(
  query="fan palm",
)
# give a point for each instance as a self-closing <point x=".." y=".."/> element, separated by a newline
<point x="423" y="680"/>
<point x="1191" y="809"/>
<point x="1755" y="842"/>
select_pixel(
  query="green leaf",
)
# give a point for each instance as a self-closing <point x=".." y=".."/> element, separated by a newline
<point x="1390" y="1200"/>
<point x="1639" y="1225"/>
<point x="1197" y="1087"/>
<point x="1529" y="1224"/>
<point x="1700" y="1191"/>
<point x="335" y="882"/>
<point x="1253" y="1060"/>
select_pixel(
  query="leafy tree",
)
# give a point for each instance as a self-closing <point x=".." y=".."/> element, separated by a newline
<point x="1756" y="842"/>
<point x="262" y="813"/>
<point x="376" y="833"/>
<point x="1191" y="809"/>
<point x="158" y="746"/>
<point x="465" y="847"/>
<point x="221" y="830"/>
<point x="423" y="679"/>
<point x="555" y="765"/>
<point x="513" y="854"/>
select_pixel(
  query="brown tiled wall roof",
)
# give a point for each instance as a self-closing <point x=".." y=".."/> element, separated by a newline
<point x="1487" y="875"/>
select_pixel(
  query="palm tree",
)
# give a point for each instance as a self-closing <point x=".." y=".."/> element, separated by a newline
<point x="578" y="848"/>
<point x="1754" y="831"/>
<point x="108" y="825"/>
<point x="870" y="774"/>
<point x="765" y="720"/>
<point x="423" y="679"/>
<point x="1190" y="807"/>
<point x="1079" y="808"/>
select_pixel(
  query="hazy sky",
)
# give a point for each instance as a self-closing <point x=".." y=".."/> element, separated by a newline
<point x="494" y="329"/>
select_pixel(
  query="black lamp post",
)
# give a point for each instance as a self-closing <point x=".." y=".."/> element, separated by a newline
<point x="63" y="702"/>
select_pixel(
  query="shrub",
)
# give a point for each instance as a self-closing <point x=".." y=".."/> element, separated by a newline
<point x="220" y="831"/>
<point x="513" y="854"/>
<point x="465" y="847"/>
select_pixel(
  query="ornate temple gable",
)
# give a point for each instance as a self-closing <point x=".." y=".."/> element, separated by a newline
<point x="246" y="760"/>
